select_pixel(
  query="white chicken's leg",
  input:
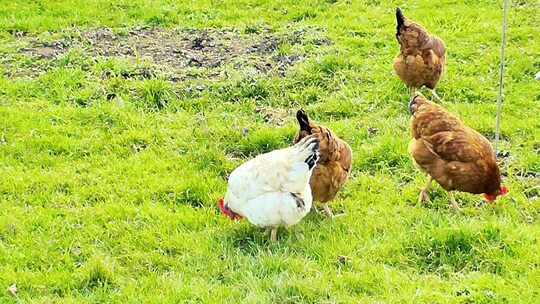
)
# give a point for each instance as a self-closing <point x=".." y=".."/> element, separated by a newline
<point x="453" y="204"/>
<point x="273" y="234"/>
<point x="435" y="95"/>
<point x="424" y="196"/>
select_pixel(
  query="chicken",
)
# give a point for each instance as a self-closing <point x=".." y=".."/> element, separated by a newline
<point x="335" y="164"/>
<point x="454" y="155"/>
<point x="272" y="189"/>
<point x="421" y="59"/>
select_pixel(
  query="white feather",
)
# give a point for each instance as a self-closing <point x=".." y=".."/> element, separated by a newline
<point x="263" y="189"/>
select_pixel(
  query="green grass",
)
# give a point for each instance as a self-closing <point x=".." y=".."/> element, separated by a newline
<point x="111" y="170"/>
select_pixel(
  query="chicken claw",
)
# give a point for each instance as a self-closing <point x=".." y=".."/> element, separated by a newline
<point x="424" y="194"/>
<point x="328" y="211"/>
<point x="423" y="197"/>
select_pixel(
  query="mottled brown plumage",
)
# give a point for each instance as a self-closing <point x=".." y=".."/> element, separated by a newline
<point x="421" y="59"/>
<point x="456" y="156"/>
<point x="334" y="166"/>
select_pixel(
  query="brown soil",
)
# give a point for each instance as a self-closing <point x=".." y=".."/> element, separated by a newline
<point x="179" y="53"/>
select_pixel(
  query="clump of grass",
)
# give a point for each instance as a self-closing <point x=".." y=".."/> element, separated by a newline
<point x="253" y="29"/>
<point x="248" y="88"/>
<point x="164" y="19"/>
<point x="68" y="86"/>
<point x="155" y="94"/>
<point x="97" y="272"/>
<point x="304" y="15"/>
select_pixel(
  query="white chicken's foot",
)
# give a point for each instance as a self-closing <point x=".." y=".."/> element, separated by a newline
<point x="273" y="235"/>
<point x="424" y="196"/>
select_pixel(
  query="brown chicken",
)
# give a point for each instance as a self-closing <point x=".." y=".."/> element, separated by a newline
<point x="334" y="166"/>
<point x="454" y="155"/>
<point x="421" y="59"/>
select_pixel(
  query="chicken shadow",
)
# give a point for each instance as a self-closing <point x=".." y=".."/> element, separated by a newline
<point x="440" y="201"/>
<point x="249" y="239"/>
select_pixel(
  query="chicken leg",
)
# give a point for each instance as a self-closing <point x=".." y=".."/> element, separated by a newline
<point x="327" y="210"/>
<point x="412" y="92"/>
<point x="424" y="196"/>
<point x="453" y="204"/>
<point x="435" y="95"/>
<point x="273" y="234"/>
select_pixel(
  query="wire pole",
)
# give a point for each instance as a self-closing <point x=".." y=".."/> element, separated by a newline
<point x="500" y="98"/>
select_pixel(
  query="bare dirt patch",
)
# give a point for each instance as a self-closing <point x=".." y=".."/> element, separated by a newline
<point x="45" y="50"/>
<point x="179" y="54"/>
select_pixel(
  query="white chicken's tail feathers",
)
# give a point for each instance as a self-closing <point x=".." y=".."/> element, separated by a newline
<point x="308" y="150"/>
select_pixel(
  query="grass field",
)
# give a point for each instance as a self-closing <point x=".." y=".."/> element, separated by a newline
<point x="112" y="158"/>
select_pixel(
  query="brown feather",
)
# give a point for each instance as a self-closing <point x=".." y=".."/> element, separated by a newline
<point x="456" y="156"/>
<point x="334" y="166"/>
<point x="422" y="57"/>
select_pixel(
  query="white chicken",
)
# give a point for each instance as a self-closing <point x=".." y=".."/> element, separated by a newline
<point x="272" y="189"/>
